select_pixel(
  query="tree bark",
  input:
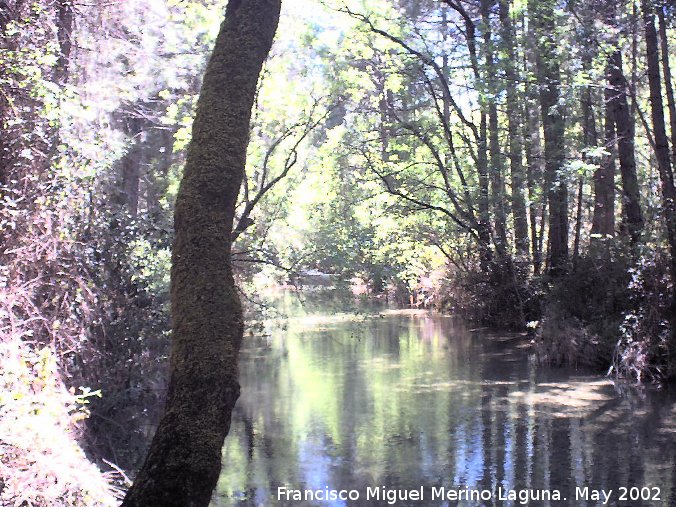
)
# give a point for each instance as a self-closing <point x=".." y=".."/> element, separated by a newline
<point x="603" y="223"/>
<point x="578" y="221"/>
<point x="671" y="105"/>
<point x="444" y="64"/>
<point x="126" y="191"/>
<point x="661" y="142"/>
<point x="64" y="30"/>
<point x="513" y="129"/>
<point x="184" y="460"/>
<point x="496" y="168"/>
<point x="484" y="231"/>
<point x="549" y="77"/>
<point x="590" y="139"/>
<point x="624" y="126"/>
<point x="533" y="148"/>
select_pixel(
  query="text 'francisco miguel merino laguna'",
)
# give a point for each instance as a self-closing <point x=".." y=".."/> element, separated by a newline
<point x="392" y="496"/>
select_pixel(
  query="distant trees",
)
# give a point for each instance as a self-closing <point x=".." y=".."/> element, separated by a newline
<point x="509" y="118"/>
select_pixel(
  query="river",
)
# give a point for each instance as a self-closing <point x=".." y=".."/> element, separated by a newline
<point x="417" y="406"/>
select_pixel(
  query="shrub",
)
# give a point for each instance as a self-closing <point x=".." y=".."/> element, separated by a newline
<point x="564" y="340"/>
<point x="505" y="296"/>
<point x="41" y="463"/>
<point x="645" y="351"/>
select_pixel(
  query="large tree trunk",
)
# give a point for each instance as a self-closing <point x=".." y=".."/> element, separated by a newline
<point x="661" y="142"/>
<point x="513" y="128"/>
<point x="184" y="460"/>
<point x="549" y="77"/>
<point x="625" y="146"/>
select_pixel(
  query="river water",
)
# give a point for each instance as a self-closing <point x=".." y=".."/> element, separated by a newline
<point x="410" y="400"/>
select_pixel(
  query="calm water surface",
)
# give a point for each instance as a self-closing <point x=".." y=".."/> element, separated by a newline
<point x="408" y="399"/>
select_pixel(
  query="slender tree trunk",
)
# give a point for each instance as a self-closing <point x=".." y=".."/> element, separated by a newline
<point x="126" y="192"/>
<point x="578" y="221"/>
<point x="533" y="148"/>
<point x="131" y="178"/>
<point x="661" y="142"/>
<point x="184" y="460"/>
<point x="484" y="223"/>
<point x="383" y="125"/>
<point x="534" y="174"/>
<point x="603" y="223"/>
<point x="444" y="64"/>
<point x="666" y="68"/>
<point x="549" y="77"/>
<point x="590" y="141"/>
<point x="157" y="179"/>
<point x="624" y="126"/>
<point x="513" y="129"/>
<point x="65" y="20"/>
<point x="64" y="30"/>
<point x="484" y="226"/>
<point x="484" y="232"/>
<point x="133" y="162"/>
<point x="496" y="167"/>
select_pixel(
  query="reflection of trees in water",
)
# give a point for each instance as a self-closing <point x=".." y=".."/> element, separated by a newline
<point x="414" y="400"/>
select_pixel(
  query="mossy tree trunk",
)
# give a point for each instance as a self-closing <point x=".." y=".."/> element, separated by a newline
<point x="184" y="460"/>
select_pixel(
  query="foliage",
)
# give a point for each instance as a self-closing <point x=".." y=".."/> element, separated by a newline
<point x="645" y="351"/>
<point x="505" y="297"/>
<point x="612" y="311"/>
<point x="41" y="463"/>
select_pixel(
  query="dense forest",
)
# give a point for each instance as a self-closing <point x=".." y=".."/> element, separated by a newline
<point x="509" y="162"/>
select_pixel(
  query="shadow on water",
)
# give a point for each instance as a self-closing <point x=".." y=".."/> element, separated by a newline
<point x="408" y="399"/>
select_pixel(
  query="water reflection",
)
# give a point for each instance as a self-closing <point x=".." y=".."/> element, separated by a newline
<point x="408" y="400"/>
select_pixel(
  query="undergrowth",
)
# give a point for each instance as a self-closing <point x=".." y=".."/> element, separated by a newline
<point x="41" y="462"/>
<point x="504" y="297"/>
<point x="611" y="312"/>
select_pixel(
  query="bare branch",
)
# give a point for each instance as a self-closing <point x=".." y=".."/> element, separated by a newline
<point x="245" y="221"/>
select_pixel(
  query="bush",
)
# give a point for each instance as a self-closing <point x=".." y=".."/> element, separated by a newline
<point x="504" y="297"/>
<point x="645" y="351"/>
<point x="583" y="310"/>
<point x="611" y="311"/>
<point x="564" y="340"/>
<point x="41" y="463"/>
